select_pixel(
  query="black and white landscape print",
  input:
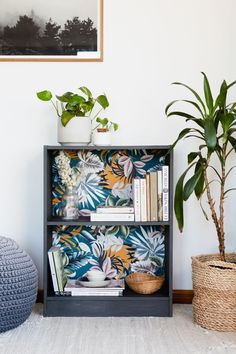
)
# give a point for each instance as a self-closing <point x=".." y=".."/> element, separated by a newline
<point x="50" y="27"/>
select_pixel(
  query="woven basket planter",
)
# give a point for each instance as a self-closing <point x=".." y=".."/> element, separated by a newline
<point x="214" y="286"/>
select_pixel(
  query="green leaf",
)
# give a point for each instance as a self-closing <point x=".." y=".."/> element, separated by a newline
<point x="194" y="93"/>
<point x="65" y="97"/>
<point x="187" y="101"/>
<point x="44" y="95"/>
<point x="103" y="101"/>
<point x="181" y="135"/>
<point x="66" y="117"/>
<point x="208" y="94"/>
<point x="192" y="156"/>
<point x="210" y="133"/>
<point x="226" y="121"/>
<point x="232" y="141"/>
<point x="221" y="99"/>
<point x="178" y="201"/>
<point x="98" y="120"/>
<point x="86" y="91"/>
<point x="115" y="126"/>
<point x="232" y="84"/>
<point x="200" y="183"/>
<point x="191" y="184"/>
<point x="76" y="100"/>
<point x="181" y="114"/>
<point x="104" y="122"/>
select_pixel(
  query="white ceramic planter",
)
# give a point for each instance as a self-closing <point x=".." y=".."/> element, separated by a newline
<point x="76" y="132"/>
<point x="101" y="138"/>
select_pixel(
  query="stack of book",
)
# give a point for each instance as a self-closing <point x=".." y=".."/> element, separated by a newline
<point x="114" y="288"/>
<point x="59" y="277"/>
<point x="151" y="196"/>
<point x="104" y="213"/>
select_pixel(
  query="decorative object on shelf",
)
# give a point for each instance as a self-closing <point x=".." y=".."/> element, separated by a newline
<point x="143" y="283"/>
<point x="95" y="275"/>
<point x="70" y="209"/>
<point x="75" y="114"/>
<point x="115" y="250"/>
<point x="214" y="276"/>
<point x="102" y="133"/>
<point x="54" y="33"/>
<point x="83" y="287"/>
<point x="102" y="177"/>
<point x="19" y="284"/>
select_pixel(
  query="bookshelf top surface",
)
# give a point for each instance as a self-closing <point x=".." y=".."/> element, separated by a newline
<point x="94" y="147"/>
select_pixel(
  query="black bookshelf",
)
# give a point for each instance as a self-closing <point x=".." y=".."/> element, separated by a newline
<point x="130" y="304"/>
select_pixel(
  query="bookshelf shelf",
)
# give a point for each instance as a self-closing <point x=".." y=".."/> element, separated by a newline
<point x="130" y="304"/>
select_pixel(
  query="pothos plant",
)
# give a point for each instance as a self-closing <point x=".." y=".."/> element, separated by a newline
<point x="71" y="105"/>
<point x="214" y="125"/>
<point x="106" y="125"/>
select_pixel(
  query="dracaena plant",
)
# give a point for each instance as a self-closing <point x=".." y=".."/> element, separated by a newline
<point x="71" y="105"/>
<point x="214" y="125"/>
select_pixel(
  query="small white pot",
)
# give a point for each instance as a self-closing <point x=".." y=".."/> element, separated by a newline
<point x="76" y="132"/>
<point x="101" y="138"/>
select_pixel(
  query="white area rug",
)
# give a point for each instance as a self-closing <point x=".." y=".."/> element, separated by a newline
<point x="145" y="335"/>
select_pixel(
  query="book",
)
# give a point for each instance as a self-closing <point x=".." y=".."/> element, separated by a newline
<point x="159" y="195"/>
<point x="143" y="199"/>
<point x="59" y="269"/>
<point x="115" y="288"/>
<point x="53" y="270"/>
<point x="111" y="217"/>
<point x="115" y="210"/>
<point x="165" y="193"/>
<point x="136" y="198"/>
<point x="153" y="197"/>
<point x="148" y="196"/>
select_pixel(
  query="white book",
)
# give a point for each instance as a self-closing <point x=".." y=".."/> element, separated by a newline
<point x="136" y="198"/>
<point x="159" y="195"/>
<point x="111" y="217"/>
<point x="115" y="210"/>
<point x="143" y="199"/>
<point x="53" y="270"/>
<point x="165" y="194"/>
<point x="75" y="293"/>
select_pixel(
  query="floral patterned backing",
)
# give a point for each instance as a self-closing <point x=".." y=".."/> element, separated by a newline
<point x="116" y="250"/>
<point x="104" y="177"/>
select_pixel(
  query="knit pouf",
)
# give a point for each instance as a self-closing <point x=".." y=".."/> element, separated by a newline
<point x="18" y="284"/>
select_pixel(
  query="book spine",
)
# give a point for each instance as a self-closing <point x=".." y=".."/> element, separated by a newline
<point x="143" y="199"/>
<point x="148" y="196"/>
<point x="53" y="273"/>
<point x="136" y="198"/>
<point x="111" y="217"/>
<point x="165" y="194"/>
<point x="153" y="197"/>
<point x="159" y="193"/>
<point x="61" y="280"/>
<point x="115" y="210"/>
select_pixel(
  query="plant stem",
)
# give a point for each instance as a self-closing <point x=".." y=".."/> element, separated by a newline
<point x="222" y="195"/>
<point x="212" y="206"/>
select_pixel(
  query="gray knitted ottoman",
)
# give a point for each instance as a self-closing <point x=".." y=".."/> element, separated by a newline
<point x="18" y="284"/>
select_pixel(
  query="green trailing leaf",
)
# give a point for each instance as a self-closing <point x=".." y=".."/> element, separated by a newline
<point x="103" y="101"/>
<point x="210" y="133"/>
<point x="208" y="94"/>
<point x="178" y="200"/>
<point x="191" y="184"/>
<point x="115" y="126"/>
<point x="194" y="93"/>
<point x="102" y="121"/>
<point x="44" y="95"/>
<point x="65" y="97"/>
<point x="86" y="91"/>
<point x="192" y="156"/>
<point x="66" y="117"/>
<point x="76" y="100"/>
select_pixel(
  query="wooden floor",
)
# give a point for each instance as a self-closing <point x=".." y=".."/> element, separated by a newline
<point x="177" y="335"/>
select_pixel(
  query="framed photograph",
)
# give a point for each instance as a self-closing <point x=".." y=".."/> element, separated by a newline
<point x="51" y="30"/>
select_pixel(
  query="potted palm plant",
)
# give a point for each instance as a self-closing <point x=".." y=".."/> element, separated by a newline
<point x="75" y="114"/>
<point x="214" y="125"/>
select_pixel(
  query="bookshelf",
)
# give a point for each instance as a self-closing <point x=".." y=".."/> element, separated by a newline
<point x="130" y="304"/>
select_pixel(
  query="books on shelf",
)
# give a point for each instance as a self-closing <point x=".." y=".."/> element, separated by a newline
<point x="115" y="288"/>
<point x="94" y="216"/>
<point x="151" y="196"/>
<point x="59" y="277"/>
<point x="115" y="210"/>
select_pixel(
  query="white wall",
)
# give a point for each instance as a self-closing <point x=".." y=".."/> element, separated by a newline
<point x="148" y="44"/>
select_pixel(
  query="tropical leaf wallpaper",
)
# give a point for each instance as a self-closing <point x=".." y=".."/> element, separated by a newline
<point x="103" y="177"/>
<point x="116" y="250"/>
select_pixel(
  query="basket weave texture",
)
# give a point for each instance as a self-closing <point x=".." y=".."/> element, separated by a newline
<point x="143" y="283"/>
<point x="214" y="286"/>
